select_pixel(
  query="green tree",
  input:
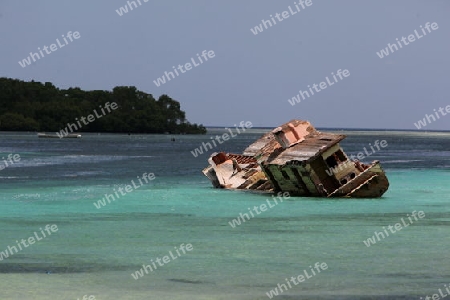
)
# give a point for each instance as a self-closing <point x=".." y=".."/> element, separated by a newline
<point x="36" y="106"/>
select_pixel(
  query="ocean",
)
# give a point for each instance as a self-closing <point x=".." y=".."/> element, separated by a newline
<point x="95" y="251"/>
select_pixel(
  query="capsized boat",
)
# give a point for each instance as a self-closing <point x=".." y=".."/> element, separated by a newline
<point x="297" y="158"/>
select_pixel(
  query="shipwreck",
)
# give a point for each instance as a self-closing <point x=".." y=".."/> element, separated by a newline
<point x="297" y="158"/>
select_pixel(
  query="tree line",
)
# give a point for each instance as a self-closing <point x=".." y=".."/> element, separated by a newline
<point x="36" y="106"/>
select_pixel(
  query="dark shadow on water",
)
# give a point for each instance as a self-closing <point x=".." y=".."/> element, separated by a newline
<point x="51" y="268"/>
<point x="187" y="281"/>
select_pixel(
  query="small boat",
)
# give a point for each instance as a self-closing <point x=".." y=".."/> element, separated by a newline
<point x="297" y="158"/>
<point x="55" y="136"/>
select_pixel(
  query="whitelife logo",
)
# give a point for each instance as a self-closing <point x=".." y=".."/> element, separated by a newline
<point x="281" y="17"/>
<point x="65" y="132"/>
<point x="319" y="87"/>
<point x="360" y="157"/>
<point x="436" y="296"/>
<point x="165" y="260"/>
<point x="411" y="38"/>
<point x="53" y="47"/>
<point x="398" y="227"/>
<point x="198" y="151"/>
<point x="31" y="240"/>
<point x="262" y="208"/>
<point x="124" y="9"/>
<point x="281" y="287"/>
<point x="12" y="158"/>
<point x="431" y="118"/>
<point x="187" y="67"/>
<point x="128" y="189"/>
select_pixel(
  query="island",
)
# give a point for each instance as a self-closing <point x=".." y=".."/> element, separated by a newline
<point x="36" y="106"/>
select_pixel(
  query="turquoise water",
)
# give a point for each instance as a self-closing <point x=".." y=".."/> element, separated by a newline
<point x="95" y="251"/>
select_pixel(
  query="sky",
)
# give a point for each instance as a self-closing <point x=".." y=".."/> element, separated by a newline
<point x="249" y="77"/>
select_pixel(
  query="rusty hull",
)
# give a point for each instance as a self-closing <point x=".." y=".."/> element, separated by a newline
<point x="298" y="159"/>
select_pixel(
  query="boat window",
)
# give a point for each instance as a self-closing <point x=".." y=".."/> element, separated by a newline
<point x="341" y="156"/>
<point x="331" y="161"/>
<point x="336" y="158"/>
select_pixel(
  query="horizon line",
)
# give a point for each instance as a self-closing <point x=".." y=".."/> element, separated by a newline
<point x="346" y="128"/>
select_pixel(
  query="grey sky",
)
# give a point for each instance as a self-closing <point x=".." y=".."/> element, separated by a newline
<point x="251" y="76"/>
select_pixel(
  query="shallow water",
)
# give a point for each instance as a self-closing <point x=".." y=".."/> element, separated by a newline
<point x="95" y="251"/>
